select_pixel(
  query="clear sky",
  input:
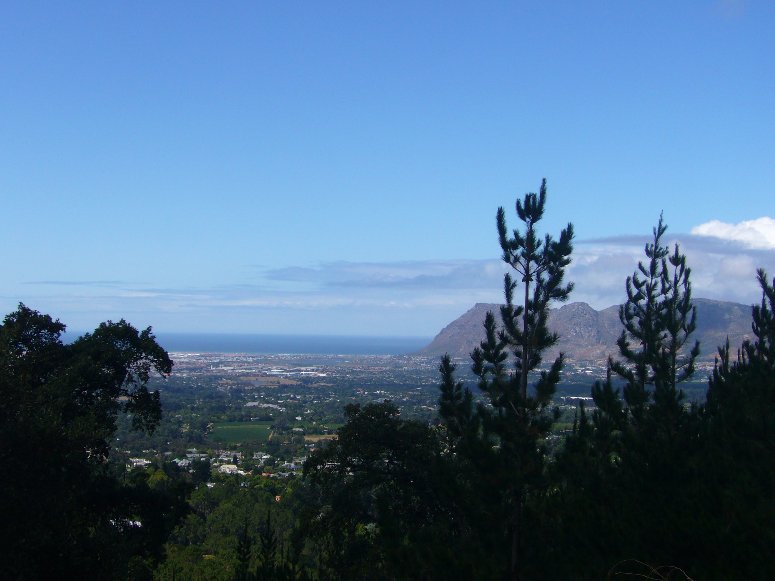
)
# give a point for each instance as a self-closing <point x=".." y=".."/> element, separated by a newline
<point x="336" y="167"/>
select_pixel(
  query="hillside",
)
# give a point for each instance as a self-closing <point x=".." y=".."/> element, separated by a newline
<point x="590" y="335"/>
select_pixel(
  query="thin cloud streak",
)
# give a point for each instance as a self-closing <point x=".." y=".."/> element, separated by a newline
<point x="406" y="274"/>
<point x="109" y="283"/>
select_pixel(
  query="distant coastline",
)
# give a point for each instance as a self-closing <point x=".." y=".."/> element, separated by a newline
<point x="291" y="344"/>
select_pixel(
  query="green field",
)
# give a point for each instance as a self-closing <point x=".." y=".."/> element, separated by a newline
<point x="240" y="432"/>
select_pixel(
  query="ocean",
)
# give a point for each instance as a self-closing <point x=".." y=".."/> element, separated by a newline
<point x="295" y="344"/>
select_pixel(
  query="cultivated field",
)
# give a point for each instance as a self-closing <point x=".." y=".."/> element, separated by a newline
<point x="240" y="432"/>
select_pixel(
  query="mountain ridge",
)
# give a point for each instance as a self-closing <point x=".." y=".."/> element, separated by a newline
<point x="587" y="334"/>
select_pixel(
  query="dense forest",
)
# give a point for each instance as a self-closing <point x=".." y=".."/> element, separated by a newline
<point x="645" y="484"/>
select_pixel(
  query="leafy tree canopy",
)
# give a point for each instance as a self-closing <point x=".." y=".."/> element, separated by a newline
<point x="64" y="509"/>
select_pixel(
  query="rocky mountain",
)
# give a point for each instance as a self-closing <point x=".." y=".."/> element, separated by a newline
<point x="590" y="335"/>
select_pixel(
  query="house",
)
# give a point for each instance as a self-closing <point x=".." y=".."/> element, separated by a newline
<point x="230" y="469"/>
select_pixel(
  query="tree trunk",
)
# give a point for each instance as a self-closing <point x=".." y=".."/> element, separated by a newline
<point x="525" y="339"/>
<point x="516" y="529"/>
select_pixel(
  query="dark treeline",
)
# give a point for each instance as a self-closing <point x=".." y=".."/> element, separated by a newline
<point x="646" y="484"/>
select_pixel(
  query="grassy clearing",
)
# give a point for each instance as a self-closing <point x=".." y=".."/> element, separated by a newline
<point x="241" y="432"/>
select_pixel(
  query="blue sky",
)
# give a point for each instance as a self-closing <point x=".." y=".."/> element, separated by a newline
<point x="311" y="167"/>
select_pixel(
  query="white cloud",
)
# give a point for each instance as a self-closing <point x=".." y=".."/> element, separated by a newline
<point x="758" y="233"/>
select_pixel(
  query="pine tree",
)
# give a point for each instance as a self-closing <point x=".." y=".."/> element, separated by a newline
<point x="643" y="439"/>
<point x="268" y="546"/>
<point x="244" y="548"/>
<point x="456" y="408"/>
<point x="658" y="319"/>
<point x="514" y="419"/>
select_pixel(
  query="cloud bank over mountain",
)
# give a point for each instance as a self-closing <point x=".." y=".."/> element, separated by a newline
<point x="723" y="266"/>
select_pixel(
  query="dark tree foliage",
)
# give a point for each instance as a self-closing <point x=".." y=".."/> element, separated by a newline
<point x="756" y="357"/>
<point x="652" y="484"/>
<point x="456" y="407"/>
<point x="636" y="446"/>
<point x="64" y="509"/>
<point x="242" y="528"/>
<point x="387" y="504"/>
<point x="646" y="425"/>
<point x="737" y="452"/>
<point x="502" y="436"/>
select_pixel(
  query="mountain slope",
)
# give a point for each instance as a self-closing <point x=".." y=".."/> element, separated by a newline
<point x="590" y="335"/>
